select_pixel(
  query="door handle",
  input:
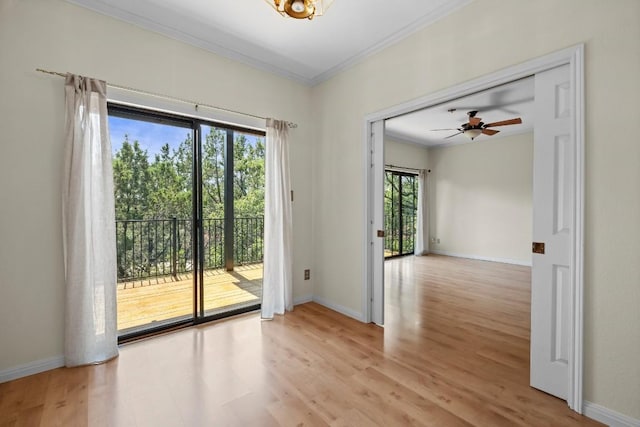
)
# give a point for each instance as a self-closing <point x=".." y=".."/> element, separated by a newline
<point x="537" y="248"/>
<point x="380" y="233"/>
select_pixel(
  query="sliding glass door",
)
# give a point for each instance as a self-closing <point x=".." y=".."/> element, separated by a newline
<point x="233" y="220"/>
<point x="189" y="210"/>
<point x="400" y="209"/>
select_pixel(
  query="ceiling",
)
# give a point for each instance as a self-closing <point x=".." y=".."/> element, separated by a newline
<point x="251" y="31"/>
<point x="504" y="102"/>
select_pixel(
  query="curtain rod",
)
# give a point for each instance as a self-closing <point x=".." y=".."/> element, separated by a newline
<point x="404" y="167"/>
<point x="173" y="98"/>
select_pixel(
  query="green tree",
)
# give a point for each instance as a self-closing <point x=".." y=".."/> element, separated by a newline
<point x="166" y="195"/>
<point x="248" y="177"/>
<point x="213" y="173"/>
<point x="131" y="177"/>
<point x="161" y="188"/>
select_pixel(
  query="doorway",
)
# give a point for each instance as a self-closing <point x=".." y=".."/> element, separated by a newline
<point x="571" y="277"/>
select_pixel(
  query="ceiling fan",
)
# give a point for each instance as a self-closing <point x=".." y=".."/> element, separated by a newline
<point x="474" y="127"/>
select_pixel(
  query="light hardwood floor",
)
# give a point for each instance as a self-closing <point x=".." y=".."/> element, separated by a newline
<point x="454" y="352"/>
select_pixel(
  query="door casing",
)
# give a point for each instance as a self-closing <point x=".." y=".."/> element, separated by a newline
<point x="372" y="282"/>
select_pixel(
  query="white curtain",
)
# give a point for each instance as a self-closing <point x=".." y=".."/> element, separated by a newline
<point x="422" y="220"/>
<point x="277" y="288"/>
<point x="88" y="216"/>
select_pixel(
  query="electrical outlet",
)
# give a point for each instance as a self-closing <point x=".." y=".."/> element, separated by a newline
<point x="433" y="240"/>
<point x="307" y="274"/>
<point x="438" y="241"/>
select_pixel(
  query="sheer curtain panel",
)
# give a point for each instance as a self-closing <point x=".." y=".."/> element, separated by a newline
<point x="422" y="216"/>
<point x="277" y="287"/>
<point x="88" y="216"/>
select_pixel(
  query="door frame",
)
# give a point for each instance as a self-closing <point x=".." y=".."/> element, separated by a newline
<point x="574" y="57"/>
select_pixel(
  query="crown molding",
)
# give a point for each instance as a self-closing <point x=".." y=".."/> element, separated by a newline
<point x="150" y="24"/>
<point x="436" y="15"/>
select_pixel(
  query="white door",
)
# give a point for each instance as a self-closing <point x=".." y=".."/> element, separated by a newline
<point x="377" y="225"/>
<point x="554" y="186"/>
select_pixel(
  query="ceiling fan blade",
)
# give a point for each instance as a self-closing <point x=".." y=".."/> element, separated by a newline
<point x="504" y="123"/>
<point x="453" y="135"/>
<point x="474" y="121"/>
<point x="490" y="131"/>
<point x="441" y="129"/>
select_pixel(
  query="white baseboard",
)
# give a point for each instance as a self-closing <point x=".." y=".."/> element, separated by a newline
<point x="339" y="308"/>
<point x="607" y="416"/>
<point x="483" y="258"/>
<point x="31" y="368"/>
<point x="302" y="299"/>
<point x="56" y="362"/>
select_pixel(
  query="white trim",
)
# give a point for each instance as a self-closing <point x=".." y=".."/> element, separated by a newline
<point x="302" y="299"/>
<point x="608" y="417"/>
<point x="446" y="9"/>
<point x="339" y="308"/>
<point x="286" y="65"/>
<point x="482" y="258"/>
<point x="576" y="350"/>
<point x="574" y="56"/>
<point x="31" y="368"/>
<point x="377" y="223"/>
<point x="367" y="266"/>
<point x="500" y="77"/>
<point x="150" y="24"/>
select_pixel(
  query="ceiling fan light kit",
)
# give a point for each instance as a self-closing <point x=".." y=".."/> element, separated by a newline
<point x="300" y="9"/>
<point x="476" y="127"/>
<point x="472" y="133"/>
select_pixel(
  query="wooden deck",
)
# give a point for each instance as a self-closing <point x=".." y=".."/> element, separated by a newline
<point x="151" y="302"/>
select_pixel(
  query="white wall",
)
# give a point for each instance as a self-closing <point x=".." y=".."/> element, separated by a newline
<point x="56" y="35"/>
<point x="481" y="198"/>
<point x="326" y="152"/>
<point x="504" y="33"/>
<point x="405" y="154"/>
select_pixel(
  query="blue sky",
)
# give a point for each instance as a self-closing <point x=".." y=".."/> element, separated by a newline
<point x="151" y="136"/>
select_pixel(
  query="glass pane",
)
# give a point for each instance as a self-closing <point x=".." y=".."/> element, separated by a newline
<point x="213" y="179"/>
<point x="408" y="206"/>
<point x="240" y="288"/>
<point x="248" y="200"/>
<point x="248" y="203"/>
<point x="152" y="169"/>
<point x="391" y="214"/>
<point x="400" y="204"/>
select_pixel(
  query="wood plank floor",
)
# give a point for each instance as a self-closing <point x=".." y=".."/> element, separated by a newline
<point x="152" y="301"/>
<point x="454" y="352"/>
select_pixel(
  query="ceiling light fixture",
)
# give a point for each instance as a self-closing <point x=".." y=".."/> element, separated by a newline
<point x="472" y="133"/>
<point x="300" y="9"/>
